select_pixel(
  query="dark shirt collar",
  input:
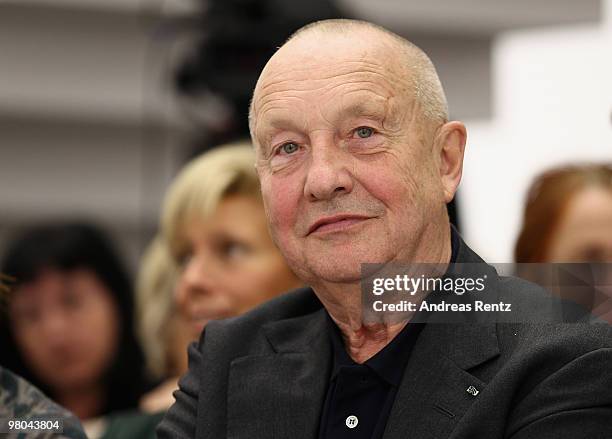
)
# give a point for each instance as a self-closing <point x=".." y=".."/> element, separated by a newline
<point x="390" y="362"/>
<point x="455" y="244"/>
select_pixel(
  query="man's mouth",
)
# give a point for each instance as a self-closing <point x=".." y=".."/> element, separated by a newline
<point x="336" y="223"/>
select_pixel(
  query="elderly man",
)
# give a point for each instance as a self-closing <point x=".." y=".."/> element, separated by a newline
<point x="357" y="160"/>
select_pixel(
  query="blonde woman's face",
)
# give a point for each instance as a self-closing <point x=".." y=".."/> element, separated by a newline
<point x="230" y="264"/>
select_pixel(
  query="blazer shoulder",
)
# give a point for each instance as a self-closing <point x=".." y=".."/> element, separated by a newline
<point x="552" y="332"/>
<point x="242" y="335"/>
<point x="293" y="304"/>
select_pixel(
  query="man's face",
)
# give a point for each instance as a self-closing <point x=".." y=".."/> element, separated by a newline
<point x="347" y="171"/>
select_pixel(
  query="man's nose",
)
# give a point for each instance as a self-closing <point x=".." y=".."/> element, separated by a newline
<point x="328" y="173"/>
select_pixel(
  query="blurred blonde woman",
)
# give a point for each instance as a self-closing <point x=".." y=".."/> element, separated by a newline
<point x="215" y="235"/>
<point x="163" y="333"/>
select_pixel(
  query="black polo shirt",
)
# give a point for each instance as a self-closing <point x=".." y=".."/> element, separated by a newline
<point x="360" y="396"/>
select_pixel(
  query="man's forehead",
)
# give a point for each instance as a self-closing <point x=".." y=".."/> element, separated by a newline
<point x="331" y="75"/>
<point x="314" y="61"/>
<point x="328" y="52"/>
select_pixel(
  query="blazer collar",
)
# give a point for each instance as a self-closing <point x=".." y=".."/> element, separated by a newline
<point x="438" y="387"/>
<point x="281" y="394"/>
<point x="298" y="334"/>
<point x="473" y="341"/>
<point x="291" y="383"/>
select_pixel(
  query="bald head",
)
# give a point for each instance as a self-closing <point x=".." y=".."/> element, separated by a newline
<point x="415" y="67"/>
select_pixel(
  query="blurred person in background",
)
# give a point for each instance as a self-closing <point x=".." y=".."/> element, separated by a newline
<point x="568" y="216"/>
<point x="568" y="219"/>
<point x="215" y="232"/>
<point x="70" y="322"/>
<point x="163" y="331"/>
<point x="21" y="401"/>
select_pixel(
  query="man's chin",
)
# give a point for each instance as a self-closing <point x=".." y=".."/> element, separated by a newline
<point x="342" y="264"/>
<point x="336" y="271"/>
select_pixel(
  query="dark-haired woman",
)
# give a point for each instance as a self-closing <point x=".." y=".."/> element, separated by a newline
<point x="70" y="322"/>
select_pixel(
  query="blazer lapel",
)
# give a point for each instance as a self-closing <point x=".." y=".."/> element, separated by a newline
<point x="436" y="389"/>
<point x="280" y="395"/>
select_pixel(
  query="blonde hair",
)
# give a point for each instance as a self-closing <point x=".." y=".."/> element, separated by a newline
<point x="194" y="194"/>
<point x="202" y="184"/>
<point x="154" y="305"/>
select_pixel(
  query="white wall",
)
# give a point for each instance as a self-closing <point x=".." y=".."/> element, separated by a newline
<point x="552" y="105"/>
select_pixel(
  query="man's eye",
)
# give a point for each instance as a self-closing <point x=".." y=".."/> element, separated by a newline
<point x="364" y="132"/>
<point x="289" y="148"/>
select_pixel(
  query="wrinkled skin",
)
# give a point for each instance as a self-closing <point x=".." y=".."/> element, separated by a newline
<point x="340" y="139"/>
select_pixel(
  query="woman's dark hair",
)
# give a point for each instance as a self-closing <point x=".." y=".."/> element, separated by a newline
<point x="66" y="247"/>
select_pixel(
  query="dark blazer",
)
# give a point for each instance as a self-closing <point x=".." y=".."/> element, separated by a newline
<point x="265" y="375"/>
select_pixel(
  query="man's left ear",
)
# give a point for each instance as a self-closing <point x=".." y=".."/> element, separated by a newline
<point x="450" y="145"/>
